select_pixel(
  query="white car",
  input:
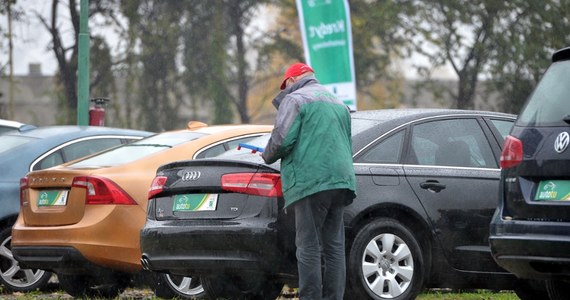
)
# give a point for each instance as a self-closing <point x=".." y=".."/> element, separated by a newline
<point x="7" y="125"/>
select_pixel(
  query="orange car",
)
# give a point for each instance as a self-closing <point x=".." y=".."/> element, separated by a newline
<point x="82" y="220"/>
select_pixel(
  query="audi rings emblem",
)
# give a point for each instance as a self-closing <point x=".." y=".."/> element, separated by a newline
<point x="561" y="142"/>
<point x="191" y="176"/>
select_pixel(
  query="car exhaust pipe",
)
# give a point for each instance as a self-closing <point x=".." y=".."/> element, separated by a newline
<point x="145" y="263"/>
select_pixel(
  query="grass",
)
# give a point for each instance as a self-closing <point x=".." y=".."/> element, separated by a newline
<point x="471" y="295"/>
<point x="145" y="294"/>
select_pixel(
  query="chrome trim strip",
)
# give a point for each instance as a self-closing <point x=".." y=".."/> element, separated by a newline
<point x="428" y="166"/>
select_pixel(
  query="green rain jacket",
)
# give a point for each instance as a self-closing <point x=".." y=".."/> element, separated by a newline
<point x="312" y="138"/>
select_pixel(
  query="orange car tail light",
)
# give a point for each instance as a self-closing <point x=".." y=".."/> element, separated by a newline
<point x="102" y="191"/>
<point x="156" y="186"/>
<point x="23" y="186"/>
<point x="512" y="153"/>
<point x="260" y="184"/>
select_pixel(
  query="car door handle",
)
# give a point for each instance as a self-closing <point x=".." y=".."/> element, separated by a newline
<point x="432" y="186"/>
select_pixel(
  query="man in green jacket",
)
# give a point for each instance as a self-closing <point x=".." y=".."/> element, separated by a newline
<point x="312" y="138"/>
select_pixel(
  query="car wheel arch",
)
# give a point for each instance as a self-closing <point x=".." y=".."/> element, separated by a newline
<point x="8" y="221"/>
<point x="403" y="215"/>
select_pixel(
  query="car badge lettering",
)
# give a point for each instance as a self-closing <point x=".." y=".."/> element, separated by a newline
<point x="191" y="175"/>
<point x="561" y="142"/>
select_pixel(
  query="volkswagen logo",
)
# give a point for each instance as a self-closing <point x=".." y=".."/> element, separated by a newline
<point x="191" y="175"/>
<point x="561" y="142"/>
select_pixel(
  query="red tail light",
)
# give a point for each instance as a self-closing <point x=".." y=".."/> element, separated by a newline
<point x="102" y="191"/>
<point x="23" y="186"/>
<point x="261" y="184"/>
<point x="512" y="153"/>
<point x="157" y="186"/>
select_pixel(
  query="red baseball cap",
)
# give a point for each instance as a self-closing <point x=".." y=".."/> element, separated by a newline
<point x="295" y="69"/>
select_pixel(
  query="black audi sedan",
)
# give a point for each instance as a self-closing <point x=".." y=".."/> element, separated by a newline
<point x="427" y="185"/>
<point x="530" y="232"/>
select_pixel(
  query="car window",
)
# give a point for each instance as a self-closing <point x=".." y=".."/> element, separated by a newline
<point x="137" y="150"/>
<point x="260" y="141"/>
<point x="503" y="126"/>
<point x="75" y="151"/>
<point x="221" y="148"/>
<point x="548" y="104"/>
<point x="455" y="142"/>
<point x="387" y="151"/>
<point x="88" y="147"/>
<point x="49" y="161"/>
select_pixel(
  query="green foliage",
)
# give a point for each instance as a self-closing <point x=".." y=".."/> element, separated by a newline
<point x="155" y="27"/>
<point x="526" y="37"/>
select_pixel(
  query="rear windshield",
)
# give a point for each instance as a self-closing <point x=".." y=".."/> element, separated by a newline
<point x="137" y="150"/>
<point x="8" y="142"/>
<point x="548" y="104"/>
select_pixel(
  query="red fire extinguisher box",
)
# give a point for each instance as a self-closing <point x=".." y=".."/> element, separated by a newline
<point x="97" y="112"/>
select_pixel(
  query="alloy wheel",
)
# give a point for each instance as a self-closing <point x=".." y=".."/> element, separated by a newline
<point x="16" y="278"/>
<point x="387" y="265"/>
<point x="186" y="286"/>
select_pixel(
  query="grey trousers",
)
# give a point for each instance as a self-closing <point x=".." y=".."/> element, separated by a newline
<point x="320" y="238"/>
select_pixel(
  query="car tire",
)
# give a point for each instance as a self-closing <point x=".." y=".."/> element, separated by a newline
<point x="169" y="286"/>
<point x="14" y="278"/>
<point x="240" y="287"/>
<point x="385" y="262"/>
<point x="558" y="289"/>
<point x="530" y="289"/>
<point x="82" y="286"/>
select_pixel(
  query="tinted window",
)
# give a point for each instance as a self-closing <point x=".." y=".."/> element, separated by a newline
<point x="548" y="104"/>
<point x="75" y="151"/>
<point x="221" y="148"/>
<point x="457" y="142"/>
<point x="387" y="151"/>
<point x="49" y="161"/>
<point x="139" y="149"/>
<point x="504" y="127"/>
<point x="260" y="141"/>
<point x="88" y="147"/>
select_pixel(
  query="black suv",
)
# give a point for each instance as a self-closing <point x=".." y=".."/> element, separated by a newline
<point x="530" y="231"/>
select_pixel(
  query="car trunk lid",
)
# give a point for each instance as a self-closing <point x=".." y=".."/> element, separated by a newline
<point x="47" y="198"/>
<point x="194" y="190"/>
<point x="539" y="187"/>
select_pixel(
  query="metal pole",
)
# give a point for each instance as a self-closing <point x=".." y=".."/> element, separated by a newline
<point x="10" y="114"/>
<point x="83" y="66"/>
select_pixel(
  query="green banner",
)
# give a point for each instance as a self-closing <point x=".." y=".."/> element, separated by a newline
<point x="327" y="41"/>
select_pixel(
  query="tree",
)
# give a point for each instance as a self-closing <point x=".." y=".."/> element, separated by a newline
<point x="13" y="14"/>
<point x="524" y="45"/>
<point x="381" y="35"/>
<point x="459" y="33"/>
<point x="155" y="28"/>
<point x="506" y="41"/>
<point x="65" y="49"/>
<point x="216" y="54"/>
